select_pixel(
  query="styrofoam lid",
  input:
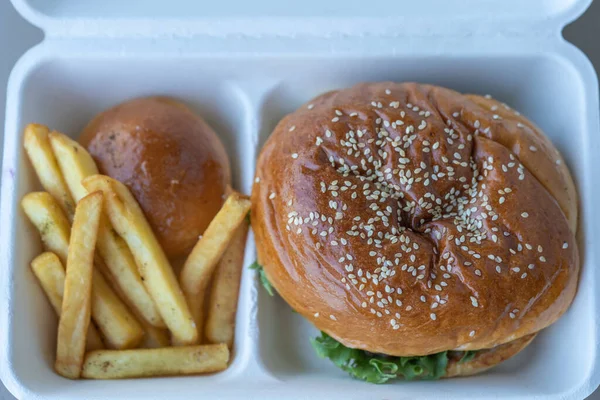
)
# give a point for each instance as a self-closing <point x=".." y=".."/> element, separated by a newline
<point x="309" y="16"/>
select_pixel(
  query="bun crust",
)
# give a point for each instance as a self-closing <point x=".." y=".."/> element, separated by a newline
<point x="409" y="219"/>
<point x="171" y="160"/>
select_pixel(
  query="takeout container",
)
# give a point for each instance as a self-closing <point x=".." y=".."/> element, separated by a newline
<point x="243" y="66"/>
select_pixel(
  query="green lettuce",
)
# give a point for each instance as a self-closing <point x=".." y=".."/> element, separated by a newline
<point x="468" y="356"/>
<point x="377" y="368"/>
<point x="263" y="278"/>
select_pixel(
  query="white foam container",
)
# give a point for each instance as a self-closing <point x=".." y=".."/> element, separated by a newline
<point x="244" y="65"/>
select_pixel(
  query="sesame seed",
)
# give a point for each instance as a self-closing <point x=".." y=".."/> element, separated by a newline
<point x="524" y="214"/>
<point x="565" y="245"/>
<point x="474" y="302"/>
<point x="256" y="180"/>
<point x="316" y="315"/>
<point x="272" y="196"/>
<point x="310" y="106"/>
<point x="542" y="259"/>
<point x="295" y="155"/>
<point x="333" y="317"/>
<point x="433" y="316"/>
<point x="533" y="148"/>
<point x="472" y="333"/>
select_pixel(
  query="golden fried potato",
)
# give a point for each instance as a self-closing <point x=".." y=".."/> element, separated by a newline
<point x="118" y="326"/>
<point x="223" y="299"/>
<point x="77" y="300"/>
<point x="51" y="274"/>
<point x="201" y="262"/>
<point x="130" y="223"/>
<point x="46" y="215"/>
<point x="186" y="360"/>
<point x="76" y="164"/>
<point x="38" y="148"/>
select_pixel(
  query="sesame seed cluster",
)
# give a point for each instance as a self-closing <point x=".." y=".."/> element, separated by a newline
<point x="408" y="226"/>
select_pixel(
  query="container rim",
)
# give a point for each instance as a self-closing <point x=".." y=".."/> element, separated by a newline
<point x="182" y="18"/>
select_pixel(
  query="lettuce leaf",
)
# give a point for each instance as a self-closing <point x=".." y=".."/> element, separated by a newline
<point x="378" y="368"/>
<point x="467" y="356"/>
<point x="263" y="278"/>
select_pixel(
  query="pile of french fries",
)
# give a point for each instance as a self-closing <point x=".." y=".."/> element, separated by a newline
<point x="122" y="311"/>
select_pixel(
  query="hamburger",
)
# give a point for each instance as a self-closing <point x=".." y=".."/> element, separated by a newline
<point x="426" y="233"/>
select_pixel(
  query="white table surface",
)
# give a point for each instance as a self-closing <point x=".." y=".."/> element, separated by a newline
<point x="16" y="36"/>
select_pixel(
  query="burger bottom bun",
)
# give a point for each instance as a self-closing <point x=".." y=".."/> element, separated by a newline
<point x="486" y="359"/>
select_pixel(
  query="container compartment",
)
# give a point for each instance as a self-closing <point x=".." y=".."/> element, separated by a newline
<point x="544" y="88"/>
<point x="65" y="94"/>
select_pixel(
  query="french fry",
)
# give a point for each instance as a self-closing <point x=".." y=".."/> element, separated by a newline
<point x="223" y="299"/>
<point x="117" y="324"/>
<point x="154" y="337"/>
<point x="115" y="321"/>
<point x="37" y="146"/>
<point x="46" y="215"/>
<point x="77" y="300"/>
<point x="76" y="164"/>
<point x="49" y="271"/>
<point x="111" y="364"/>
<point x="129" y="221"/>
<point x="205" y="255"/>
<point x="122" y="267"/>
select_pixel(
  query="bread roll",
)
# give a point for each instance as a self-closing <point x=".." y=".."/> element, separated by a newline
<point x="173" y="162"/>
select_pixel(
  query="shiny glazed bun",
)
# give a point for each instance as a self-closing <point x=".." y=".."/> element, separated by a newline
<point x="173" y="162"/>
<point x="409" y="219"/>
